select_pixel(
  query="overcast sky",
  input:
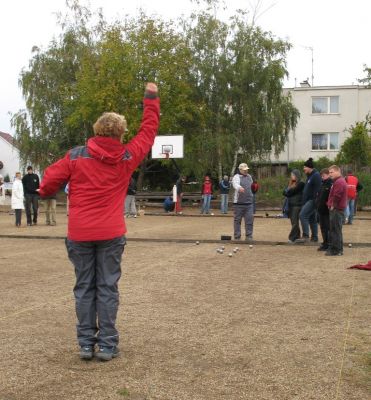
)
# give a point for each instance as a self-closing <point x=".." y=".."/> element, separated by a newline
<point x="337" y="30"/>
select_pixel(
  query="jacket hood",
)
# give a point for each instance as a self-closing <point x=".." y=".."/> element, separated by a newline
<point x="297" y="173"/>
<point x="106" y="149"/>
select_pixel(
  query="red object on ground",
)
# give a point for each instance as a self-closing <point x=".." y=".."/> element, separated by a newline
<point x="366" y="267"/>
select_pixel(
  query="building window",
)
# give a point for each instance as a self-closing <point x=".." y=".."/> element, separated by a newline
<point x="325" y="141"/>
<point x="325" y="105"/>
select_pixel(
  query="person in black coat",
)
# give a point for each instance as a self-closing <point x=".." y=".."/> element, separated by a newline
<point x="31" y="183"/>
<point x="322" y="209"/>
<point x="294" y="194"/>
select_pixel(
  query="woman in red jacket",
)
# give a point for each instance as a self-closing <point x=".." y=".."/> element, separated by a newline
<point x="207" y="191"/>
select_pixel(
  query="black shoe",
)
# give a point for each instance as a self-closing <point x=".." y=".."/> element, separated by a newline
<point x="107" y="353"/>
<point x="237" y="237"/>
<point x="304" y="239"/>
<point x="314" y="239"/>
<point x="86" y="352"/>
<point x="322" y="248"/>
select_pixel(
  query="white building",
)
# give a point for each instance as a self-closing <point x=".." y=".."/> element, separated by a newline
<point x="326" y="112"/>
<point x="9" y="156"/>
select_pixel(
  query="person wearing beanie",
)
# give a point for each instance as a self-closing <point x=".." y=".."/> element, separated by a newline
<point x="294" y="194"/>
<point x="322" y="209"/>
<point x="98" y="176"/>
<point x="308" y="215"/>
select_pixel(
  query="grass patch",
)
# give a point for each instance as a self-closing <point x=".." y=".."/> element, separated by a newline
<point x="123" y="392"/>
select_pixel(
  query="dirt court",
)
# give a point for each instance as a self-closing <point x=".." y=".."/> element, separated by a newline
<point x="273" y="322"/>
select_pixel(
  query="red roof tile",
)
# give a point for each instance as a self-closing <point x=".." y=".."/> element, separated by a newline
<point x="7" y="137"/>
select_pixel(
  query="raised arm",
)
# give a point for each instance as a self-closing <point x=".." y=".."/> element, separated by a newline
<point x="141" y="144"/>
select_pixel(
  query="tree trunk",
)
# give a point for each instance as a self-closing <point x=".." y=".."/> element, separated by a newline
<point x="220" y="167"/>
<point x="234" y="166"/>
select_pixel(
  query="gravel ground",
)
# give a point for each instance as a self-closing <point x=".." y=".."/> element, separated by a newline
<point x="269" y="323"/>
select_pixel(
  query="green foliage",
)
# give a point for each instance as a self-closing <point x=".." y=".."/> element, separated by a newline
<point x="270" y="191"/>
<point x="220" y="86"/>
<point x="356" y="149"/>
<point x="6" y="178"/>
<point x="364" y="196"/>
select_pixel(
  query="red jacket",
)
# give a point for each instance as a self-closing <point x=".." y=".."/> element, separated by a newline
<point x="207" y="187"/>
<point x="98" y="175"/>
<point x="352" y="182"/>
<point x="338" y="194"/>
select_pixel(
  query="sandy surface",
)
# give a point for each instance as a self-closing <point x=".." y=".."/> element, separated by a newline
<point x="269" y="323"/>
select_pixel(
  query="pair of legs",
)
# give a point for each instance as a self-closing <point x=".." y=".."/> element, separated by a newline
<point x="18" y="216"/>
<point x="324" y="223"/>
<point x="206" y="201"/>
<point x="336" y="231"/>
<point x="51" y="211"/>
<point x="98" y="270"/>
<point x="308" y="218"/>
<point x="243" y="211"/>
<point x="31" y="200"/>
<point x="349" y="211"/>
<point x="224" y="203"/>
<point x="130" y="207"/>
<point x="178" y="204"/>
<point x="293" y="214"/>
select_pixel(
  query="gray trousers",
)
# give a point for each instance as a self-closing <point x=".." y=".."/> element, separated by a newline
<point x="245" y="211"/>
<point x="130" y="208"/>
<point x="336" y="231"/>
<point x="98" y="270"/>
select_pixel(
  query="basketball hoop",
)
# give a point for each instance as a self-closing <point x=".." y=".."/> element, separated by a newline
<point x="166" y="154"/>
<point x="167" y="150"/>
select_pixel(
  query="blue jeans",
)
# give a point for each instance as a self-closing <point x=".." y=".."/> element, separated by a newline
<point x="206" y="203"/>
<point x="308" y="218"/>
<point x="224" y="203"/>
<point x="349" y="211"/>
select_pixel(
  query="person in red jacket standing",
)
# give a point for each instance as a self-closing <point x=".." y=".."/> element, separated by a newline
<point x="207" y="191"/>
<point x="353" y="188"/>
<point x="98" y="175"/>
<point x="337" y="203"/>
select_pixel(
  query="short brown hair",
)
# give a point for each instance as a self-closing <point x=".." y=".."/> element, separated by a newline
<point x="110" y="124"/>
<point x="324" y="171"/>
<point x="334" y="167"/>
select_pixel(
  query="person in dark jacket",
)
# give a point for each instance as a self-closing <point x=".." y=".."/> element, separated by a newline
<point x="308" y="214"/>
<point x="224" y="186"/>
<point x="322" y="209"/>
<point x="31" y="183"/>
<point x="294" y="194"/>
<point x="337" y="203"/>
<point x="98" y="176"/>
<point x="130" y="208"/>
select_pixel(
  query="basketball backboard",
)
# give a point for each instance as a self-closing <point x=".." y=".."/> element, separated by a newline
<point x="168" y="146"/>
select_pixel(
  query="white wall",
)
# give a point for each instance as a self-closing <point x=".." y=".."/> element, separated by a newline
<point x="9" y="155"/>
<point x="354" y="104"/>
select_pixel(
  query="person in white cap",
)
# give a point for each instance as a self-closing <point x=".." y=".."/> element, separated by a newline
<point x="243" y="202"/>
